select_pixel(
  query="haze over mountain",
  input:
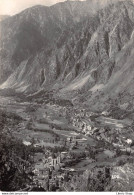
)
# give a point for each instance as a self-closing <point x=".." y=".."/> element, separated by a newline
<point x="81" y="50"/>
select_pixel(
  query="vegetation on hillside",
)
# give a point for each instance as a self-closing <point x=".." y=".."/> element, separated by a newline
<point x="15" y="159"/>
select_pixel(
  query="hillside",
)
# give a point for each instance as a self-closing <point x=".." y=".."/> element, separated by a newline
<point x="3" y="17"/>
<point x="81" y="50"/>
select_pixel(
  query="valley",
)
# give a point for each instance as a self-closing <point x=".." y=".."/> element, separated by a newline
<point x="88" y="140"/>
<point x="67" y="97"/>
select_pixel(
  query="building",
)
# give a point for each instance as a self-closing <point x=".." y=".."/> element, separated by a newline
<point x="63" y="155"/>
<point x="56" y="163"/>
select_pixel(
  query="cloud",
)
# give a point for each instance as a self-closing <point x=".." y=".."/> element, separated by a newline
<point x="11" y="7"/>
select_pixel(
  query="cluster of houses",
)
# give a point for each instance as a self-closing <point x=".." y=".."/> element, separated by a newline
<point x="84" y="126"/>
<point x="112" y="136"/>
<point x="56" y="162"/>
<point x="51" y="172"/>
<point x="81" y="120"/>
<point x="103" y="134"/>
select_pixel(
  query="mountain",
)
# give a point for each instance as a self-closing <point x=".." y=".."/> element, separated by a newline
<point x="38" y="27"/>
<point x="81" y="50"/>
<point x="3" y="17"/>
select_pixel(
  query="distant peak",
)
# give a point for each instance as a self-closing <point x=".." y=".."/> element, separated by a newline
<point x="38" y="6"/>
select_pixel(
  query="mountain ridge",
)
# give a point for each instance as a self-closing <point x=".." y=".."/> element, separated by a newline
<point x="82" y="61"/>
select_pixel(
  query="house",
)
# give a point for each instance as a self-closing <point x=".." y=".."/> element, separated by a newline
<point x="89" y="127"/>
<point x="63" y="155"/>
<point x="129" y="141"/>
<point x="118" y="145"/>
<point x="68" y="139"/>
<point x="105" y="113"/>
<point x="55" y="163"/>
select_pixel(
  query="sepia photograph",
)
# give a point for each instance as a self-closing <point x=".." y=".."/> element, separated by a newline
<point x="66" y="96"/>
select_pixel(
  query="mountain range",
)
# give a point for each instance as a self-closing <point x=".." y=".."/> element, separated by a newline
<point x="83" y="51"/>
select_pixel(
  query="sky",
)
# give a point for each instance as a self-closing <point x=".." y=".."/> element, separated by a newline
<point x="11" y="7"/>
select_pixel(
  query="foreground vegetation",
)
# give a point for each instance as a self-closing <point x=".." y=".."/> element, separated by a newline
<point x="15" y="158"/>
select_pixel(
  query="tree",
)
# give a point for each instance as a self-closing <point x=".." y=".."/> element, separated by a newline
<point x="99" y="180"/>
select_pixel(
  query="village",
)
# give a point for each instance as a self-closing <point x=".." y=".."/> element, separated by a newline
<point x="56" y="171"/>
<point x="72" y="144"/>
<point x="115" y="135"/>
<point x="83" y="144"/>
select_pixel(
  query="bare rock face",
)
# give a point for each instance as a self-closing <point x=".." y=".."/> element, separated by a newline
<point x="83" y="50"/>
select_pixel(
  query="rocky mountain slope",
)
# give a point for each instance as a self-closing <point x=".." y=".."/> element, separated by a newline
<point x="3" y="17"/>
<point x="38" y="27"/>
<point x="81" y="50"/>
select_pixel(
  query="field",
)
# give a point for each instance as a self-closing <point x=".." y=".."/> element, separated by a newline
<point x="113" y="123"/>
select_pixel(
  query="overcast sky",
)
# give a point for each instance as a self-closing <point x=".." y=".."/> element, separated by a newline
<point x="11" y="7"/>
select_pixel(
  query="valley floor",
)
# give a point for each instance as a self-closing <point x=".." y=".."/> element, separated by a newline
<point x="70" y="143"/>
